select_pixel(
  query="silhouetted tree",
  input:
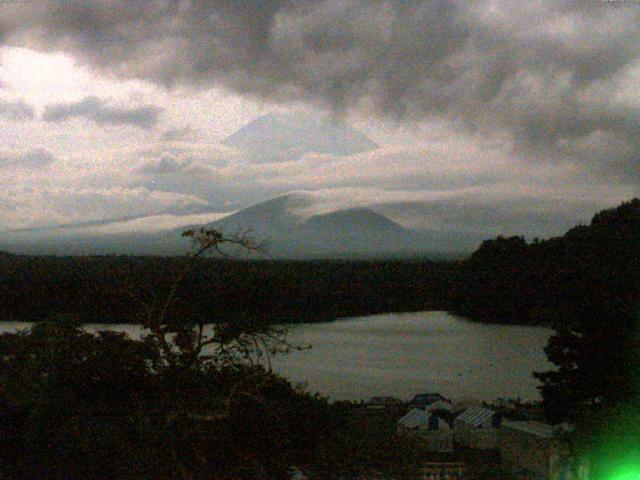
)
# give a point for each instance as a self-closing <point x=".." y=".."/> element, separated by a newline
<point x="181" y="403"/>
<point x="597" y="333"/>
<point x="596" y="348"/>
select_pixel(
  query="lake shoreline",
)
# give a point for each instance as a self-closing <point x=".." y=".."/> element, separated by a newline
<point x="330" y="319"/>
<point x="401" y="354"/>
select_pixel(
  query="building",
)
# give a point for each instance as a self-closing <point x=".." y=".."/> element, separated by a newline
<point x="526" y="449"/>
<point x="439" y="405"/>
<point x="423" y="399"/>
<point x="435" y="431"/>
<point x="477" y="427"/>
<point x="531" y="450"/>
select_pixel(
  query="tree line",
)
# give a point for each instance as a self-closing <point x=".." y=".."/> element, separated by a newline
<point x="109" y="289"/>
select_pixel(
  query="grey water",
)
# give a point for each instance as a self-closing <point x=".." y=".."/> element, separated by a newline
<point x="401" y="354"/>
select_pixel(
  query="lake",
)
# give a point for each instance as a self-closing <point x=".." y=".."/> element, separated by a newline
<point x="402" y="354"/>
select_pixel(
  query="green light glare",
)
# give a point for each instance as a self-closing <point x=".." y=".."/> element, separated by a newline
<point x="626" y="473"/>
<point x="618" y="457"/>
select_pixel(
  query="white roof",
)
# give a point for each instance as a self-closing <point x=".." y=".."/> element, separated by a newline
<point x="417" y="418"/>
<point x="532" y="427"/>
<point x="475" y="416"/>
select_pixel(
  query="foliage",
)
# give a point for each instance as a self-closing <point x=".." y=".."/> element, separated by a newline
<point x="178" y="403"/>
<point x="597" y="335"/>
<point x="109" y="289"/>
<point x="547" y="282"/>
<point x="596" y="347"/>
<point x="185" y="402"/>
<point x="82" y="406"/>
<point x="586" y="285"/>
<point x="506" y="280"/>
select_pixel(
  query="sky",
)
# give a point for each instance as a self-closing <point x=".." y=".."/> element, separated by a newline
<point x="498" y="117"/>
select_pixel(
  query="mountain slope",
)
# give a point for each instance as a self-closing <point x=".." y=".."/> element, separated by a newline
<point x="293" y="229"/>
<point x="356" y="230"/>
<point x="281" y="137"/>
<point x="277" y="217"/>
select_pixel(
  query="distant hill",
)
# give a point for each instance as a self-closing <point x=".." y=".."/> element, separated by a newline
<point x="282" y="137"/>
<point x="354" y="230"/>
<point x="296" y="226"/>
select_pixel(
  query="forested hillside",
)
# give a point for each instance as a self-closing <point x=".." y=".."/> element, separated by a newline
<point x="508" y="280"/>
<point x="114" y="288"/>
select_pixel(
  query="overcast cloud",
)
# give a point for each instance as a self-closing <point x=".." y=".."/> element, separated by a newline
<point x="96" y="110"/>
<point x="184" y="134"/>
<point x="497" y="104"/>
<point x="34" y="158"/>
<point x="549" y="74"/>
<point x="16" y="110"/>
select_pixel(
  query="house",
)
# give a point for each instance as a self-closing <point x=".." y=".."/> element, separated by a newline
<point x="423" y="399"/>
<point x="526" y="449"/>
<point x="477" y="427"/>
<point x="439" y="405"/>
<point x="531" y="450"/>
<point x="435" y="431"/>
<point x="461" y="405"/>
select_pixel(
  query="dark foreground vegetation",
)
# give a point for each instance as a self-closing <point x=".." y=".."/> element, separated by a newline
<point x="177" y="404"/>
<point x="78" y="406"/>
<point x="508" y="280"/>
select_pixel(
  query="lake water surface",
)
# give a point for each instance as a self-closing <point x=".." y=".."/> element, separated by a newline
<point x="402" y="354"/>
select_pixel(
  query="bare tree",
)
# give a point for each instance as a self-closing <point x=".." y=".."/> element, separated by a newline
<point x="182" y="343"/>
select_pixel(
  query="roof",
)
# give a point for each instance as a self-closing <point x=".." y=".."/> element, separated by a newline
<point x="427" y="398"/>
<point x="532" y="427"/>
<point x="439" y="405"/>
<point x="419" y="418"/>
<point x="475" y="416"/>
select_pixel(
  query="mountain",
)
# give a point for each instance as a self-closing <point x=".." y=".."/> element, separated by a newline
<point x="275" y="218"/>
<point x="298" y="225"/>
<point x="277" y="137"/>
<point x="295" y="225"/>
<point x="354" y="230"/>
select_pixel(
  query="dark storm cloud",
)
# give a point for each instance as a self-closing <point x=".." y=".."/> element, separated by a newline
<point x="16" y="110"/>
<point x="544" y="73"/>
<point x="37" y="157"/>
<point x="96" y="110"/>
